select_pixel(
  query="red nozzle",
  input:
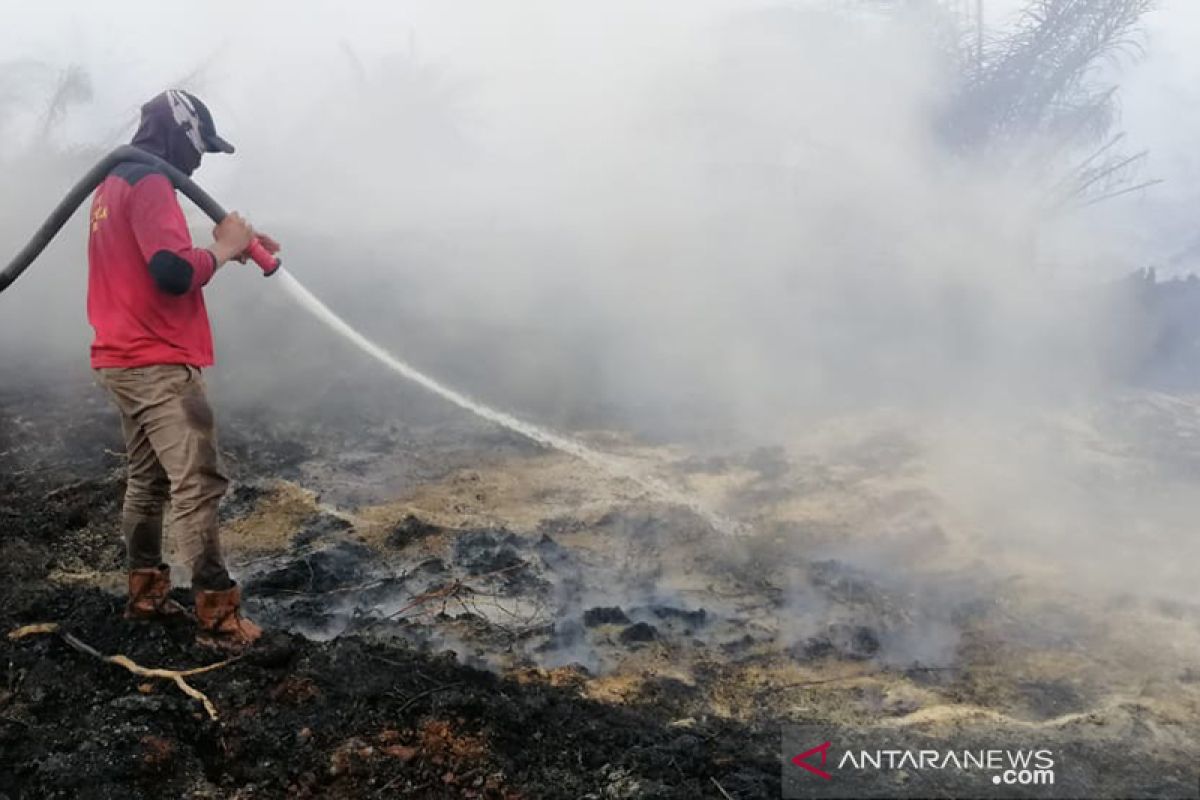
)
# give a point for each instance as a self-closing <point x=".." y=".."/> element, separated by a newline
<point x="267" y="262"/>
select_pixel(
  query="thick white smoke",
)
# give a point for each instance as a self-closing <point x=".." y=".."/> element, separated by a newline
<point x="718" y="221"/>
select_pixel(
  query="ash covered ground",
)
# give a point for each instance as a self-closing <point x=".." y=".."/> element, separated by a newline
<point x="459" y="613"/>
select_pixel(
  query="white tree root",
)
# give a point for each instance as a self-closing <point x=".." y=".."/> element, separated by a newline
<point x="177" y="676"/>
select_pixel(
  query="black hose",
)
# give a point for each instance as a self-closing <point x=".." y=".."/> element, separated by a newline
<point x="83" y="189"/>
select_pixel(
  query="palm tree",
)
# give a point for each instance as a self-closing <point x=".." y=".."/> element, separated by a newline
<point x="1041" y="92"/>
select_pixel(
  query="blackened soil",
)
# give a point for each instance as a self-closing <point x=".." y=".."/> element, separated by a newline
<point x="343" y="718"/>
<point x="338" y="719"/>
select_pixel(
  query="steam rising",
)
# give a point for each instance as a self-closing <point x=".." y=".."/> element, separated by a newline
<point x="602" y="461"/>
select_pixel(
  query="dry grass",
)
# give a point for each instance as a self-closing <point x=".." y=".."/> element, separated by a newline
<point x="270" y="527"/>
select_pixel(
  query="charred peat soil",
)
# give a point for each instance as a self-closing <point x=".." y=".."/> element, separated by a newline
<point x="352" y="716"/>
<point x="457" y="613"/>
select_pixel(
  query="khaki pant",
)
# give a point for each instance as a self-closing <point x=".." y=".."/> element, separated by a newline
<point x="172" y="447"/>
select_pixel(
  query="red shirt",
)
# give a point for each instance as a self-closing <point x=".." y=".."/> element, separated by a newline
<point x="136" y="217"/>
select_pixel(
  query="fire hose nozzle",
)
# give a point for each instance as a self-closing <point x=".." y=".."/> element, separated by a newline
<point x="268" y="263"/>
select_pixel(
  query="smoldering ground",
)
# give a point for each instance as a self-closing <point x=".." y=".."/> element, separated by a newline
<point x="744" y="214"/>
<point x="714" y="227"/>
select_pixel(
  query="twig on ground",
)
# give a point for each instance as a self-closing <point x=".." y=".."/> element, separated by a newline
<point x="300" y="552"/>
<point x="341" y="590"/>
<point x="536" y="619"/>
<point x="721" y="789"/>
<point x="394" y="663"/>
<point x="820" y="681"/>
<point x="503" y="571"/>
<point x="872" y="673"/>
<point x="383" y="789"/>
<point x="426" y="693"/>
<point x="445" y="592"/>
<point x="69" y="488"/>
<point x="32" y="630"/>
<point x="178" y="676"/>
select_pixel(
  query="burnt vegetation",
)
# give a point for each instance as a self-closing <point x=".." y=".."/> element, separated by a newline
<point x="472" y="660"/>
<point x="343" y="718"/>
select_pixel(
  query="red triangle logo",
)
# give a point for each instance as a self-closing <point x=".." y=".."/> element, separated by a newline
<point x="802" y="760"/>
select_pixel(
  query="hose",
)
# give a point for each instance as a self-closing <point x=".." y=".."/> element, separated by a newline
<point x="269" y="264"/>
<point x="84" y="188"/>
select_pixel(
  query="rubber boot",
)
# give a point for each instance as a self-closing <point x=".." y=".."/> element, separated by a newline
<point x="221" y="622"/>
<point x="148" y="596"/>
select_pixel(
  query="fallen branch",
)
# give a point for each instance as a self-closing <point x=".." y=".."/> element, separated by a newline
<point x="447" y="591"/>
<point x="32" y="630"/>
<point x="177" y="676"/>
<point x="721" y="789"/>
<point x="361" y="587"/>
<point x="300" y="552"/>
<point x="822" y="681"/>
<point x="67" y="489"/>
<point x="426" y="693"/>
<point x="871" y="673"/>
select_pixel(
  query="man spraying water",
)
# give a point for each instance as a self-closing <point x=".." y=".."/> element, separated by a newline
<point x="152" y="341"/>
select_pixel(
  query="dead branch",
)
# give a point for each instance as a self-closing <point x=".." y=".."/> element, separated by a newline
<point x="870" y="673"/>
<point x="177" y="676"/>
<point x="341" y="590"/>
<point x="300" y="552"/>
<point x="521" y="625"/>
<point x="32" y="630"/>
<point x="721" y="789"/>
<point x="69" y="488"/>
<point x="445" y="593"/>
<point x="426" y="693"/>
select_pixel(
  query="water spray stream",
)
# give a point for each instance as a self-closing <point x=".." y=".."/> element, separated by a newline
<point x="606" y="462"/>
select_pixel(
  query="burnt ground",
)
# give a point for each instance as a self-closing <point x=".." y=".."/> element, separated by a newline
<point x="346" y="718"/>
<point x="456" y="613"/>
<point x="342" y="718"/>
